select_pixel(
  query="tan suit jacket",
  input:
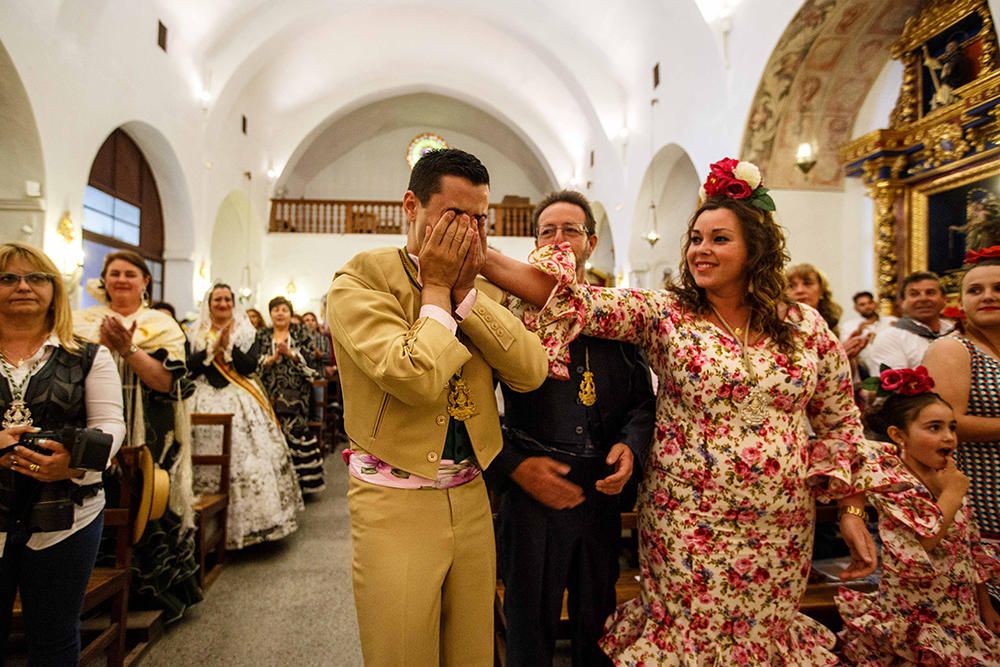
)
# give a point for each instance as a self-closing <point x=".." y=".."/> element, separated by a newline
<point x="395" y="366"/>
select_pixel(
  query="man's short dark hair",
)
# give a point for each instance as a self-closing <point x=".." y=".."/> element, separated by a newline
<point x="917" y="277"/>
<point x="570" y="197"/>
<point x="425" y="179"/>
<point x="862" y="294"/>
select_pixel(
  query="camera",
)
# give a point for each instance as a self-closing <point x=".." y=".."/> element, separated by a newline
<point x="89" y="448"/>
<point x="49" y="506"/>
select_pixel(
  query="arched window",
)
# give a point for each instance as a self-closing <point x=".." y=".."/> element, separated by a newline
<point x="121" y="211"/>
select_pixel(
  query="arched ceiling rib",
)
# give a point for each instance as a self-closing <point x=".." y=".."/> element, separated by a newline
<point x="814" y="84"/>
<point x="343" y="132"/>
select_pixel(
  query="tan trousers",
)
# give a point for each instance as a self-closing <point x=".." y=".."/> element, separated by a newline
<point x="424" y="574"/>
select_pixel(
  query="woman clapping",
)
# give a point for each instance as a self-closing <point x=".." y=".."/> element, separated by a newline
<point x="264" y="494"/>
<point x="148" y="347"/>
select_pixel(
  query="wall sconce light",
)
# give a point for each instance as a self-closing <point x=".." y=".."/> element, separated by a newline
<point x="66" y="229"/>
<point x="290" y="287"/>
<point x="805" y="157"/>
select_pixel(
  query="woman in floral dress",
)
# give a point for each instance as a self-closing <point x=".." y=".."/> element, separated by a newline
<point x="931" y="607"/>
<point x="727" y="504"/>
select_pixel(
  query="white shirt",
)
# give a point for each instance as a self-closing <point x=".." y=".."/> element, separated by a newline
<point x="897" y="348"/>
<point x="847" y="328"/>
<point x="105" y="411"/>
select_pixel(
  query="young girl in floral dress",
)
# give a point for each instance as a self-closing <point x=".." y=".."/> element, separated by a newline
<point x="932" y="607"/>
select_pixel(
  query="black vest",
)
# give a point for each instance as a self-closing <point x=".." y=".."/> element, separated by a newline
<point x="55" y="396"/>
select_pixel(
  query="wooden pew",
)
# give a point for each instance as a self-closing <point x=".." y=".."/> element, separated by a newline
<point x="212" y="508"/>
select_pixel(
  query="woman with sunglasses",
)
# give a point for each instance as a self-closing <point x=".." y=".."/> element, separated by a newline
<point x="149" y="349"/>
<point x="47" y="557"/>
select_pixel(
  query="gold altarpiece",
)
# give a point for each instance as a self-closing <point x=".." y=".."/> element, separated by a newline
<point x="938" y="162"/>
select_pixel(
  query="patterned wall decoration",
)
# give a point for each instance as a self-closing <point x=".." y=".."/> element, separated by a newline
<point x="814" y="83"/>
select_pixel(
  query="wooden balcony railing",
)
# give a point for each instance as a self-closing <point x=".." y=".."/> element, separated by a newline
<point x="330" y="216"/>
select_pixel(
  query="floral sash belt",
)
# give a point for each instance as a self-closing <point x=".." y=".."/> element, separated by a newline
<point x="369" y="468"/>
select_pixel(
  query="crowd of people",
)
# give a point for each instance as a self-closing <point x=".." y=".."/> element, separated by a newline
<point x="767" y="402"/>
<point x="129" y="370"/>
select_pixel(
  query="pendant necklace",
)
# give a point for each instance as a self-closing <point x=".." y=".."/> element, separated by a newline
<point x="460" y="403"/>
<point x="17" y="413"/>
<point x="588" y="390"/>
<point x="753" y="408"/>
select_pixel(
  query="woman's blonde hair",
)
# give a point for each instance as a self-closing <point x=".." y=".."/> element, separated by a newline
<point x="59" y="318"/>
<point x="827" y="307"/>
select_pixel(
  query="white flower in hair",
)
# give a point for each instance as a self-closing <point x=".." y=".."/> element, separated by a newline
<point x="748" y="171"/>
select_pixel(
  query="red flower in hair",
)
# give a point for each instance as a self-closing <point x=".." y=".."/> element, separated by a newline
<point x="724" y="167"/>
<point x="903" y="381"/>
<point x="976" y="256"/>
<point x="738" y="189"/>
<point x="916" y="381"/>
<point x="953" y="313"/>
<point x="891" y="379"/>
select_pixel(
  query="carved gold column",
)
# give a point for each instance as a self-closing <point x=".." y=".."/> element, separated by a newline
<point x="885" y="194"/>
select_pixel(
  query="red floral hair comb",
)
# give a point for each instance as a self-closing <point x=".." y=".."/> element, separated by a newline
<point x="903" y="381"/>
<point x="737" y="180"/>
<point x="976" y="256"/>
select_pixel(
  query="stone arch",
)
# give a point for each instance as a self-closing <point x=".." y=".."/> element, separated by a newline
<point x="813" y="85"/>
<point x="177" y="207"/>
<point x="351" y="126"/>
<point x="21" y="213"/>
<point x="603" y="258"/>
<point x="670" y="185"/>
<point x="237" y="241"/>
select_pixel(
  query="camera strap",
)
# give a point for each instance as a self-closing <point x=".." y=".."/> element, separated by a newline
<point x="81" y="493"/>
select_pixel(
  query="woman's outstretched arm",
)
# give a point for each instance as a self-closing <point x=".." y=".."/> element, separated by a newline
<point x="518" y="278"/>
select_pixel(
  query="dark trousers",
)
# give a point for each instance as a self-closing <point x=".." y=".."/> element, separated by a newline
<point x="52" y="583"/>
<point x="544" y="552"/>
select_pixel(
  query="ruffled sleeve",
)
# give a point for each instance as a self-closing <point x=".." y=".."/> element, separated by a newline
<point x="841" y="462"/>
<point x="629" y="315"/>
<point x="904" y="518"/>
<point x="985" y="555"/>
<point x="561" y="319"/>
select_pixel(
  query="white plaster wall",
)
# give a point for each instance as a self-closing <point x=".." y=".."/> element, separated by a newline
<point x="377" y="169"/>
<point x="89" y="68"/>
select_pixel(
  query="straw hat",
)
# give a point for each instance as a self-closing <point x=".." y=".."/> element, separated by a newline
<point x="154" y="491"/>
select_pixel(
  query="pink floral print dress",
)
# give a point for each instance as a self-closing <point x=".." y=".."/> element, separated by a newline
<point x="925" y="610"/>
<point x="726" y="509"/>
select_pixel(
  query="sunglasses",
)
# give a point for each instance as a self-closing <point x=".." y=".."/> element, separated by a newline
<point x="36" y="279"/>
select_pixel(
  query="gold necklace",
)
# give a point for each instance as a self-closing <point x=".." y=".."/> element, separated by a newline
<point x="753" y="408"/>
<point x="20" y="361"/>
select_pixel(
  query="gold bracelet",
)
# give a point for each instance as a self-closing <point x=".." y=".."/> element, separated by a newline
<point x="855" y="511"/>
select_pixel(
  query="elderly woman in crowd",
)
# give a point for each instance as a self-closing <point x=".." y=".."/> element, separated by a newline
<point x="48" y="556"/>
<point x="966" y="372"/>
<point x="148" y="347"/>
<point x="726" y="507"/>
<point x="264" y="494"/>
<point x="287" y="378"/>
